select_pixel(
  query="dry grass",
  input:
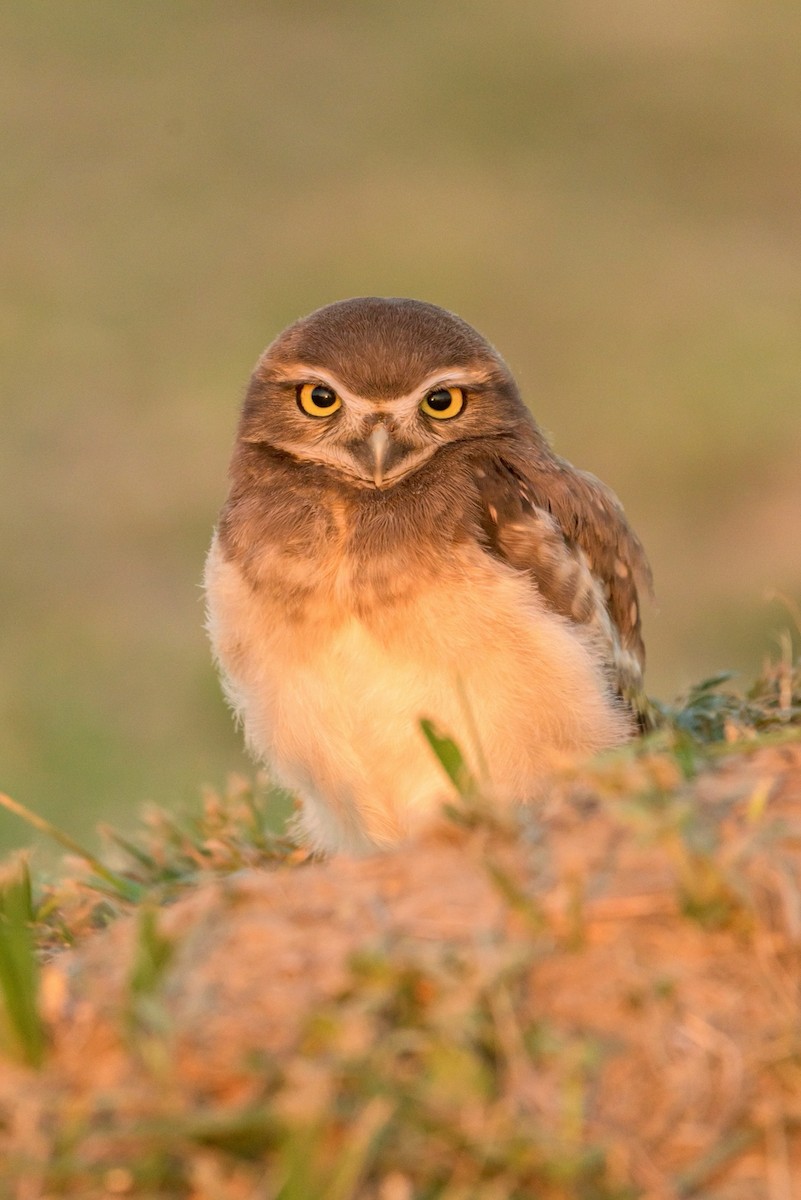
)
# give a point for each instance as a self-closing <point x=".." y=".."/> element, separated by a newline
<point x="594" y="1000"/>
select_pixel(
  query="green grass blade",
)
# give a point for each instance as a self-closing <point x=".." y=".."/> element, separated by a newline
<point x="451" y="760"/>
<point x="125" y="889"/>
<point x="21" y="1028"/>
<point x="358" y="1149"/>
<point x="152" y="954"/>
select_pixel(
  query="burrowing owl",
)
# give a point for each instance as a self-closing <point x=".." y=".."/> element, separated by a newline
<point x="400" y="542"/>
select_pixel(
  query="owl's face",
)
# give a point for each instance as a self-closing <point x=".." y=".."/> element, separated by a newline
<point x="372" y="388"/>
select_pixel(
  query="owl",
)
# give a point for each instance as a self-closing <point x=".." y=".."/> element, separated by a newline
<point x="400" y="542"/>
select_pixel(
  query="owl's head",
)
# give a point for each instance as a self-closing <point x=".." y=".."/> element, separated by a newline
<point x="372" y="388"/>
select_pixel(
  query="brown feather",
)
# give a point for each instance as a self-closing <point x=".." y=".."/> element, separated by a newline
<point x="568" y="530"/>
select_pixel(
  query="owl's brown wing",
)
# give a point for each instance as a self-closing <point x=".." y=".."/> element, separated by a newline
<point x="568" y="531"/>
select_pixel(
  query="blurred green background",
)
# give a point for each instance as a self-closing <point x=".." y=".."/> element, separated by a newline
<point x="610" y="192"/>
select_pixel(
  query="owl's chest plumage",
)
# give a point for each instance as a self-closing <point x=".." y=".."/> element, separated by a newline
<point x="337" y="634"/>
<point x="322" y="552"/>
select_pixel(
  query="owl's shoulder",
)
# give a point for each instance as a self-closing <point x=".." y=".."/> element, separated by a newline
<point x="567" y="531"/>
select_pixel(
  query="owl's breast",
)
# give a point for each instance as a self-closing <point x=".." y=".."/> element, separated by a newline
<point x="332" y="702"/>
<point x="323" y="559"/>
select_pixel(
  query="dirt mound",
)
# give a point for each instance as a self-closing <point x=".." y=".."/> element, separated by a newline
<point x="601" y="1000"/>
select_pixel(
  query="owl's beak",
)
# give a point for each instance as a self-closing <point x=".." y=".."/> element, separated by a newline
<point x="378" y="443"/>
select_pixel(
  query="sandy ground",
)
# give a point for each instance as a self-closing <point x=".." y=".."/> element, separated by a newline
<point x="637" y="963"/>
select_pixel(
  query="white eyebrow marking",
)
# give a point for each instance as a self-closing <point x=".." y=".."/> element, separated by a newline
<point x="461" y="377"/>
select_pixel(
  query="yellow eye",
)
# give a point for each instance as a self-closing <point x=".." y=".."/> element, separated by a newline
<point x="443" y="403"/>
<point x="317" y="400"/>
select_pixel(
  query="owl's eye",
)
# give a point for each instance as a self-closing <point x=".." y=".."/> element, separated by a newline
<point x="317" y="400"/>
<point x="443" y="403"/>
